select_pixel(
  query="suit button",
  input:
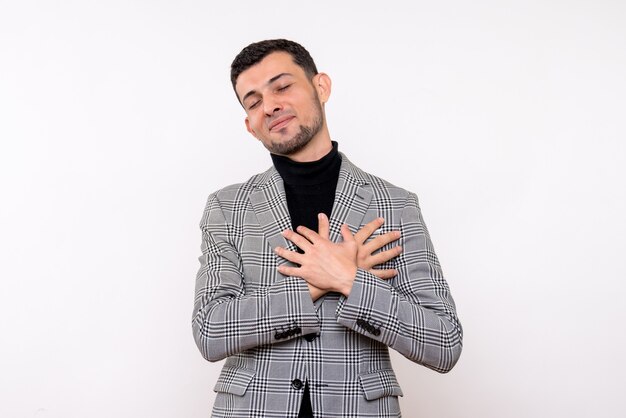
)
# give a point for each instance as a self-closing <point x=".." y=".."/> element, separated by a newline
<point x="310" y="337"/>
<point x="296" y="384"/>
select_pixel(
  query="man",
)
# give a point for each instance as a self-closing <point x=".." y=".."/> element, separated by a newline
<point x="285" y="291"/>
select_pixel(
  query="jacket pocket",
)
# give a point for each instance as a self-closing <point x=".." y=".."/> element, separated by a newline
<point x="234" y="380"/>
<point x="379" y="383"/>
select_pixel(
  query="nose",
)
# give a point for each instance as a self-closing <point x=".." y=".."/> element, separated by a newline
<point x="271" y="105"/>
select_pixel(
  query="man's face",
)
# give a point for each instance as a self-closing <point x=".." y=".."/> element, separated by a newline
<point x="283" y="108"/>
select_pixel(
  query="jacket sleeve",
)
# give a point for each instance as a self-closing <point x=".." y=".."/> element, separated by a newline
<point x="414" y="313"/>
<point x="226" y="318"/>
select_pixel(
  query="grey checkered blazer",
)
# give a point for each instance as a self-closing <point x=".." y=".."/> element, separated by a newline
<point x="256" y="318"/>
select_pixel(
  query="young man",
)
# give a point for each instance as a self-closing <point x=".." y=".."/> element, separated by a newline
<point x="287" y="289"/>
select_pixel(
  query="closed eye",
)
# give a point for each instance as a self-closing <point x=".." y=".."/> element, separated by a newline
<point x="284" y="87"/>
<point x="253" y="105"/>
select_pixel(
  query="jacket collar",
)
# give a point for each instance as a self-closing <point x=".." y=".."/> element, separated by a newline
<point x="352" y="198"/>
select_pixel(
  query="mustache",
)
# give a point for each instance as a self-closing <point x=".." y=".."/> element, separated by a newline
<point x="278" y="118"/>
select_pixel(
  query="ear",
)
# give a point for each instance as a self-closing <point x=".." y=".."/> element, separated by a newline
<point x="249" y="128"/>
<point x="322" y="83"/>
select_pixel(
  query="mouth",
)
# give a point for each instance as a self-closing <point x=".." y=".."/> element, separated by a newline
<point x="280" y="123"/>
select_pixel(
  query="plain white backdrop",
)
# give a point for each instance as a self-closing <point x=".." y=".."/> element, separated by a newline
<point x="117" y="119"/>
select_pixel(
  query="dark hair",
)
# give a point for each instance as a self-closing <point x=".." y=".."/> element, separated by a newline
<point x="254" y="53"/>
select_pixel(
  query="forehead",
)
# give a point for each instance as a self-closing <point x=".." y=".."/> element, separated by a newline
<point x="259" y="74"/>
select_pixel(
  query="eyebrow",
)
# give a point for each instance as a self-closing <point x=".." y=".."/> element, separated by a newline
<point x="270" y="81"/>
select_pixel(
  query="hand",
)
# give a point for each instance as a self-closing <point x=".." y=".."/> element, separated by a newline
<point x="366" y="259"/>
<point x="325" y="265"/>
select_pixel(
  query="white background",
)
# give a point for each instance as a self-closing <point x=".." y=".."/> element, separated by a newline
<point x="117" y="119"/>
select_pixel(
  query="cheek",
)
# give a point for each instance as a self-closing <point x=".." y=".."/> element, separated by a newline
<point x="255" y="123"/>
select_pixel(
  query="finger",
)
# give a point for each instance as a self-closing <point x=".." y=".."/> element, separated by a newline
<point x="323" y="228"/>
<point x="297" y="239"/>
<point x="368" y="229"/>
<point x="384" y="274"/>
<point x="384" y="256"/>
<point x="309" y="234"/>
<point x="346" y="234"/>
<point x="288" y="255"/>
<point x="382" y="240"/>
<point x="289" y="271"/>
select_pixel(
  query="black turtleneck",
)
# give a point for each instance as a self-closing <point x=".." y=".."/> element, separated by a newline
<point x="310" y="186"/>
<point x="310" y="189"/>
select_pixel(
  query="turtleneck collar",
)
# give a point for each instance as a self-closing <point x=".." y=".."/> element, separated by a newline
<point x="309" y="173"/>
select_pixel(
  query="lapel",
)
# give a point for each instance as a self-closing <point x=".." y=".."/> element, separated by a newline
<point x="352" y="199"/>
<point x="270" y="206"/>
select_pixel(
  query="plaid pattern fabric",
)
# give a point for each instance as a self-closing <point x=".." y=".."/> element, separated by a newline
<point x="247" y="312"/>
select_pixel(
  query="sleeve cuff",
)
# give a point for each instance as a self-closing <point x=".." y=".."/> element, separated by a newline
<point x="369" y="298"/>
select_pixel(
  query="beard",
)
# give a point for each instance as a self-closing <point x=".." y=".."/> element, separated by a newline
<point x="300" y="139"/>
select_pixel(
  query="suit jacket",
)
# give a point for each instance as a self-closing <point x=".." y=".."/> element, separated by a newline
<point x="256" y="318"/>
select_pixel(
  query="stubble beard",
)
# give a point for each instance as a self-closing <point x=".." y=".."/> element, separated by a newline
<point x="300" y="139"/>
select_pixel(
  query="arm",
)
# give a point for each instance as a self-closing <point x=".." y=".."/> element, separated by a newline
<point x="416" y="315"/>
<point x="226" y="319"/>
